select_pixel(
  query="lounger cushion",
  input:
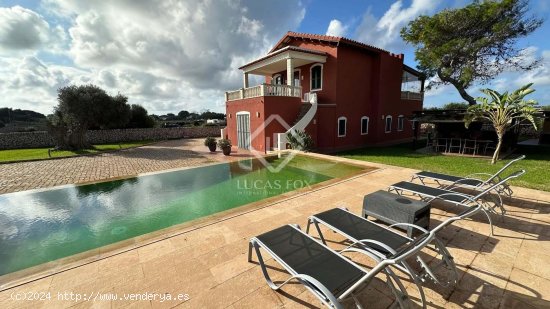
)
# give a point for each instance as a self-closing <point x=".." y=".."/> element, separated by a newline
<point x="450" y="178"/>
<point x="306" y="256"/>
<point x="359" y="229"/>
<point x="428" y="191"/>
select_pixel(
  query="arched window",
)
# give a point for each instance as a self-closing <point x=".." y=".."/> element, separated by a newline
<point x="400" y="122"/>
<point x="364" y="125"/>
<point x="277" y="79"/>
<point x="316" y="73"/>
<point x="342" y="123"/>
<point x="388" y="124"/>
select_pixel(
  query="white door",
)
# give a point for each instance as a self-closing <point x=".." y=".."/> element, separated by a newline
<point x="243" y="130"/>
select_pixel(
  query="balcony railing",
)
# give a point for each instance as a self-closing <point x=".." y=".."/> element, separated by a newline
<point x="264" y="90"/>
<point x="408" y="95"/>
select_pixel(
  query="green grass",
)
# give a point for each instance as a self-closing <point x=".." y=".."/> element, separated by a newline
<point x="42" y="153"/>
<point x="536" y="163"/>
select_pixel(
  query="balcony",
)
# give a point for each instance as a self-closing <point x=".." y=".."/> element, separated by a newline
<point x="264" y="90"/>
<point x="410" y="95"/>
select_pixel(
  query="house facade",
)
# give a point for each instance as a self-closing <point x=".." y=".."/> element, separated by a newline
<point x="343" y="93"/>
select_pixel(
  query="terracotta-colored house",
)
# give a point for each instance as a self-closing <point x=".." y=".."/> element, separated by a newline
<point x="345" y="94"/>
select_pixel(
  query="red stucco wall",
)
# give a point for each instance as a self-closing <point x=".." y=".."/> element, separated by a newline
<point x="287" y="108"/>
<point x="356" y="83"/>
<point x="252" y="105"/>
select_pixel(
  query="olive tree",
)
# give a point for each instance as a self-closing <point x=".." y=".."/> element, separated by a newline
<point x="471" y="44"/>
<point x="81" y="108"/>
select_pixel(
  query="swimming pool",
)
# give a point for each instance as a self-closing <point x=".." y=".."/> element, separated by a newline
<point x="41" y="226"/>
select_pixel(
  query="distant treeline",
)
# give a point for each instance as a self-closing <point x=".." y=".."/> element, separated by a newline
<point x="8" y="115"/>
<point x="452" y="105"/>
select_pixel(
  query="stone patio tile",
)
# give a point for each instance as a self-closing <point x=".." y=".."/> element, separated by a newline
<point x="534" y="262"/>
<point x="115" y="262"/>
<point x="155" y="250"/>
<point x="529" y="288"/>
<point x="262" y="297"/>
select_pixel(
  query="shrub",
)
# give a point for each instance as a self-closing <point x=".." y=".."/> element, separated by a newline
<point x="300" y="140"/>
<point x="209" y="141"/>
<point x="224" y="143"/>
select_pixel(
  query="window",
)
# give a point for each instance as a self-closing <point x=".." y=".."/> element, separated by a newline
<point x="278" y="79"/>
<point x="296" y="77"/>
<point x="364" y="125"/>
<point x="342" y="126"/>
<point x="400" y="121"/>
<point x="316" y="77"/>
<point x="388" y="124"/>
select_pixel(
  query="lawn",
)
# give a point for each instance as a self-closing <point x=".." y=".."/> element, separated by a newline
<point x="42" y="153"/>
<point x="536" y="163"/>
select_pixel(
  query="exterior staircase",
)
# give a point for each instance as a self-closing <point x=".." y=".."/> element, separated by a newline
<point x="306" y="114"/>
<point x="303" y="111"/>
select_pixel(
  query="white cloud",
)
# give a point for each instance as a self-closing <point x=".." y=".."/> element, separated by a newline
<point x="166" y="55"/>
<point x="23" y="31"/>
<point x="336" y="28"/>
<point x="540" y="76"/>
<point x="384" y="32"/>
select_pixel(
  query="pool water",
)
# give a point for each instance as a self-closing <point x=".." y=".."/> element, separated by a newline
<point x="42" y="226"/>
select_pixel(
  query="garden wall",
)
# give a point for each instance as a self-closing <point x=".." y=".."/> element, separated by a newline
<point x="17" y="140"/>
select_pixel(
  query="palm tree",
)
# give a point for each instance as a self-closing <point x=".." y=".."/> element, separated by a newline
<point x="504" y="111"/>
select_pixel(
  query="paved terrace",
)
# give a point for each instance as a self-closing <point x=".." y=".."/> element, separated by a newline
<point x="124" y="163"/>
<point x="509" y="270"/>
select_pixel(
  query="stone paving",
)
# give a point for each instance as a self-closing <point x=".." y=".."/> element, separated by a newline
<point x="209" y="262"/>
<point x="124" y="163"/>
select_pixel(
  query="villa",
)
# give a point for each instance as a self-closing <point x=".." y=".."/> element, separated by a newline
<point x="343" y="93"/>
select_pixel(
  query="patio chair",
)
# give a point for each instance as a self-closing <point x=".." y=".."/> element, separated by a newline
<point x="470" y="145"/>
<point x="440" y="143"/>
<point x="384" y="241"/>
<point x="471" y="181"/>
<point x="327" y="274"/>
<point x="455" y="144"/>
<point x="430" y="193"/>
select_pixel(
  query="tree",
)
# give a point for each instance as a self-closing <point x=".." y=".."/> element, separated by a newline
<point x="456" y="105"/>
<point x="212" y="115"/>
<point x="474" y="43"/>
<point x="503" y="111"/>
<point x="183" y="115"/>
<point x="140" y="118"/>
<point x="82" y="107"/>
<point x="193" y="116"/>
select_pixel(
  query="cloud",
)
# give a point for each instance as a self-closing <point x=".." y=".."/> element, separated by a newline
<point x="23" y="30"/>
<point x="166" y="55"/>
<point x="384" y="32"/>
<point x="540" y="75"/>
<point x="336" y="28"/>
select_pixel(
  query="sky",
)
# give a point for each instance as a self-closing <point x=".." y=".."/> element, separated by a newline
<point x="182" y="55"/>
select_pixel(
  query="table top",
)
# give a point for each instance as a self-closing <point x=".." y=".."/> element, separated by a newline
<point x="386" y="198"/>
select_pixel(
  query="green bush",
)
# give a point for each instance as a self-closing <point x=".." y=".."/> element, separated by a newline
<point x="224" y="143"/>
<point x="209" y="141"/>
<point x="300" y="140"/>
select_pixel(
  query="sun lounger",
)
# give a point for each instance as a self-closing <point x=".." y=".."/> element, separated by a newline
<point x="330" y="276"/>
<point x="384" y="241"/>
<point x="470" y="181"/>
<point x="430" y="193"/>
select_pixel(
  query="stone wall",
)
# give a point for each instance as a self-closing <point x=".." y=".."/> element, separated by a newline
<point x="39" y="139"/>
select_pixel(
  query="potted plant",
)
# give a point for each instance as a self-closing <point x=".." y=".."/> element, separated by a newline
<point x="210" y="142"/>
<point x="225" y="146"/>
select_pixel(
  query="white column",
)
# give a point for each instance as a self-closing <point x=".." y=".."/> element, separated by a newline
<point x="289" y="71"/>
<point x="245" y="80"/>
